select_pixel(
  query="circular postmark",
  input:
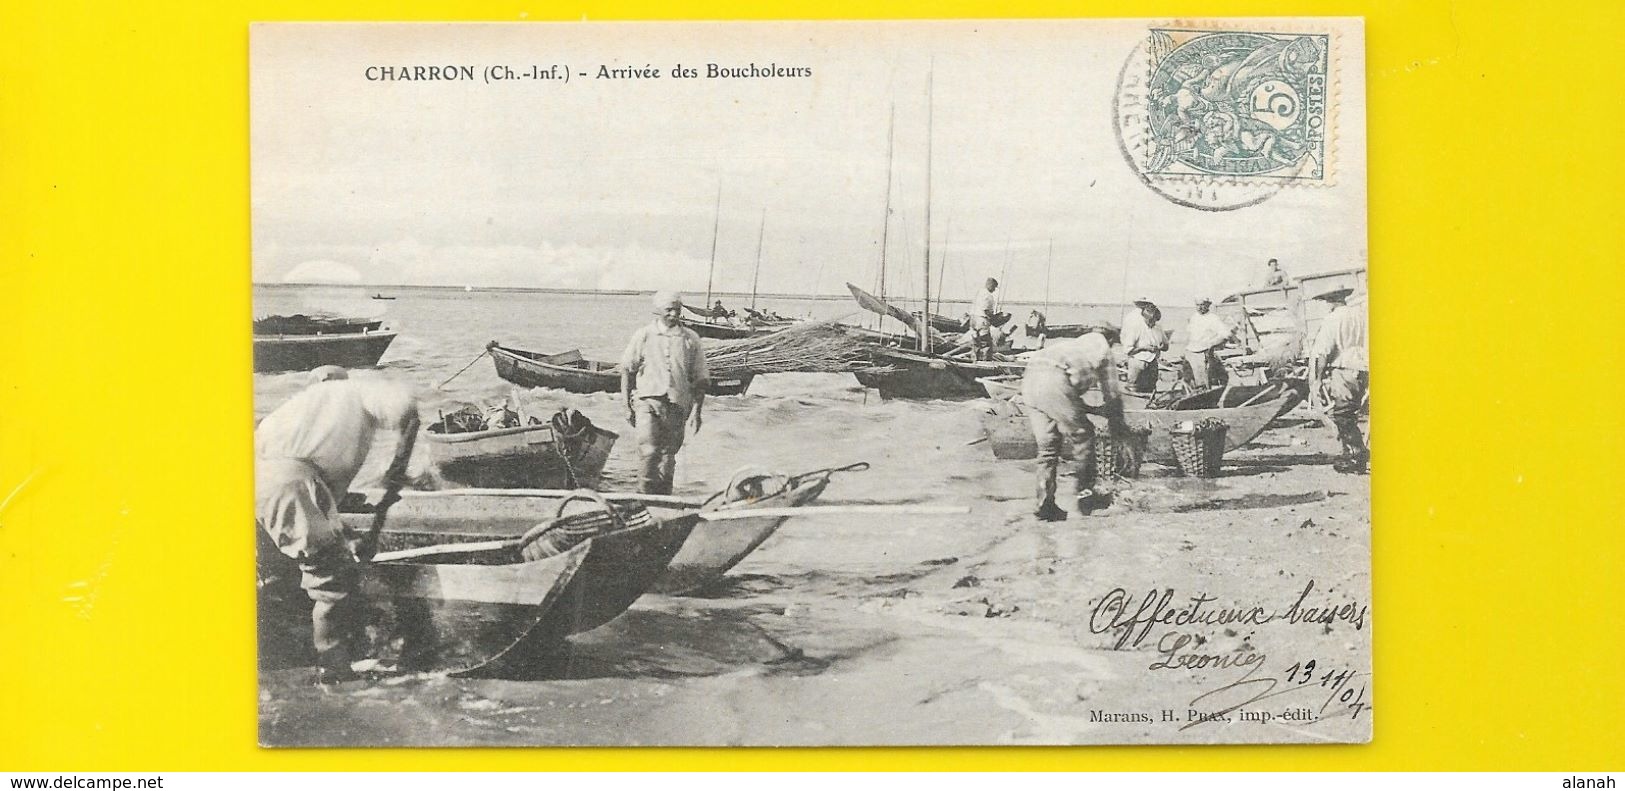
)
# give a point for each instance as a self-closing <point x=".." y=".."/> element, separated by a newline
<point x="1223" y="120"/>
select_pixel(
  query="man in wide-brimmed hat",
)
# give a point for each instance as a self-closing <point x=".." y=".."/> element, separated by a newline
<point x="1205" y="334"/>
<point x="1339" y="357"/>
<point x="306" y="454"/>
<point x="663" y="379"/>
<point x="1144" y="342"/>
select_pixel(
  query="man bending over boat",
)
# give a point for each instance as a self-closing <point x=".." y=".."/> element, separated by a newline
<point x="663" y="378"/>
<point x="1053" y="386"/>
<point x="307" y="452"/>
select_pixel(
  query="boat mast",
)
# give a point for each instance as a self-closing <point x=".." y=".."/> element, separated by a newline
<point x="757" y="278"/>
<point x="885" y="227"/>
<point x="1049" y="264"/>
<point x="716" y="223"/>
<point x="925" y="310"/>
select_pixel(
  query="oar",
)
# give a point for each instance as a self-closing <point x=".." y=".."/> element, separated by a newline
<point x="705" y="516"/>
<point x="633" y="497"/>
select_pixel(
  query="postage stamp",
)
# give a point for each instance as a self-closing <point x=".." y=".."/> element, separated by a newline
<point x="1224" y="119"/>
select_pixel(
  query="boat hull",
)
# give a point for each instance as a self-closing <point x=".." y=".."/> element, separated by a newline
<point x="730" y="332"/>
<point x="1010" y="434"/>
<point x="274" y="353"/>
<point x="713" y="548"/>
<point x="498" y="614"/>
<point x="527" y="370"/>
<point x="918" y="376"/>
<point x="527" y="457"/>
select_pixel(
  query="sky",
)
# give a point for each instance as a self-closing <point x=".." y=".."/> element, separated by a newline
<point x="614" y="184"/>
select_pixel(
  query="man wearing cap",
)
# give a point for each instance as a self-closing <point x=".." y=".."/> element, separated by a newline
<point x="1339" y="357"/>
<point x="1052" y="387"/>
<point x="663" y="378"/>
<point x="1145" y="342"/>
<point x="307" y="452"/>
<point x="1273" y="274"/>
<point x="1205" y="334"/>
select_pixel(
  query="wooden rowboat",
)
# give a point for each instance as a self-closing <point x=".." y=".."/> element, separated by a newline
<point x="910" y="374"/>
<point x="715" y="547"/>
<point x="496" y="613"/>
<point x="732" y="332"/>
<point x="1009" y="433"/>
<point x="1008" y="386"/>
<point x="575" y="373"/>
<point x="523" y="457"/>
<point x="307" y="352"/>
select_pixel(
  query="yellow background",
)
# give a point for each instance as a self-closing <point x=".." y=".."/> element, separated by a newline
<point x="125" y="423"/>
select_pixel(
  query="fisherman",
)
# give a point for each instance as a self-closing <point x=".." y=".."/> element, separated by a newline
<point x="1339" y="357"/>
<point x="720" y="312"/>
<point x="307" y="453"/>
<point x="663" y="378"/>
<point x="1145" y="343"/>
<point x="1052" y="387"/>
<point x="1035" y="331"/>
<point x="984" y="313"/>
<point x="1273" y="275"/>
<point x="1205" y="334"/>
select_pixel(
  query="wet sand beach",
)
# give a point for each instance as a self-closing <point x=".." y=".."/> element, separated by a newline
<point x="987" y="628"/>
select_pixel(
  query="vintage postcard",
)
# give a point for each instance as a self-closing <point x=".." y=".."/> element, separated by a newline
<point x="926" y="383"/>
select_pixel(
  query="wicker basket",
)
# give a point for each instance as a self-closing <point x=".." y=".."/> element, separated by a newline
<point x="561" y="533"/>
<point x="1120" y="457"/>
<point x="1199" y="447"/>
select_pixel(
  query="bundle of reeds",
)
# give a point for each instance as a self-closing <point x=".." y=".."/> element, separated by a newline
<point x="805" y="347"/>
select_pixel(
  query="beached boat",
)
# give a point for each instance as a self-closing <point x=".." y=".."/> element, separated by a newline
<point x="1247" y="411"/>
<point x="575" y="373"/>
<point x="539" y="456"/>
<point x="724" y="331"/>
<point x="1007" y="386"/>
<point x="911" y="374"/>
<point x="495" y="612"/>
<point x="313" y="324"/>
<point x="715" y="547"/>
<point x="467" y="598"/>
<point x="304" y="352"/>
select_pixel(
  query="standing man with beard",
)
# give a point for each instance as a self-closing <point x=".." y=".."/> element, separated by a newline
<point x="663" y="379"/>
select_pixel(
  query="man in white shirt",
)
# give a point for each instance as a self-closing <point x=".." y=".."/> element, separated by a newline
<point x="663" y="379"/>
<point x="1052" y="387"/>
<point x="1339" y="357"/>
<point x="1205" y="334"/>
<point x="984" y="311"/>
<point x="1144" y="342"/>
<point x="307" y="453"/>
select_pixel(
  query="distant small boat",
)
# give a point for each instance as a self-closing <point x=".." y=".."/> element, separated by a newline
<point x="572" y="372"/>
<point x="381" y="296"/>
<point x="305" y="349"/>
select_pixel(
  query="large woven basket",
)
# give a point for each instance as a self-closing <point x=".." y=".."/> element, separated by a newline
<point x="1120" y="457"/>
<point x="1199" y="447"/>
